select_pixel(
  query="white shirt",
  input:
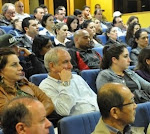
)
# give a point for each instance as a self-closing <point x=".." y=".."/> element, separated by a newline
<point x="45" y="31"/>
<point x="77" y="98"/>
<point x="22" y="16"/>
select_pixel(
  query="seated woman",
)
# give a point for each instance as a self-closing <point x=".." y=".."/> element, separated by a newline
<point x="48" y="24"/>
<point x="140" y="42"/>
<point x="41" y="44"/>
<point x="14" y="84"/>
<point x="112" y="36"/>
<point x="115" y="64"/>
<point x="97" y="26"/>
<point x="17" y="31"/>
<point x="61" y="31"/>
<point x="89" y="26"/>
<point x="73" y="25"/>
<point x="132" y="19"/>
<point x="143" y="67"/>
<point x="132" y="28"/>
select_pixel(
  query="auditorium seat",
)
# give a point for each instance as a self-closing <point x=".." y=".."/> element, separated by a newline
<point x="102" y="38"/>
<point x="90" y="77"/>
<point x="6" y="28"/>
<point x="99" y="50"/>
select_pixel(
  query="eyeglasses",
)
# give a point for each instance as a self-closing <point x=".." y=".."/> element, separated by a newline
<point x="126" y="104"/>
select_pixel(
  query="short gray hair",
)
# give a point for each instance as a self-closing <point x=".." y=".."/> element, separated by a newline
<point x="6" y="6"/>
<point x="52" y="56"/>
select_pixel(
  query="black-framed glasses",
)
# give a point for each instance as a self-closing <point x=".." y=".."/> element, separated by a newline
<point x="126" y="104"/>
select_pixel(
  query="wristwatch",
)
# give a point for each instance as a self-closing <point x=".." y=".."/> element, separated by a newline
<point x="65" y="83"/>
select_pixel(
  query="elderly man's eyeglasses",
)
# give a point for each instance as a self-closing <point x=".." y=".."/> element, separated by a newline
<point x="126" y="104"/>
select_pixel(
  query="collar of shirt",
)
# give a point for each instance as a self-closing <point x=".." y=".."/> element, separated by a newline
<point x="58" y="42"/>
<point x="127" y="129"/>
<point x="30" y="38"/>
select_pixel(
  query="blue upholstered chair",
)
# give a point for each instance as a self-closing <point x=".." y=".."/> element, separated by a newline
<point x="79" y="124"/>
<point x="99" y="50"/>
<point x="102" y="38"/>
<point x="85" y="123"/>
<point x="6" y="28"/>
<point x="122" y="38"/>
<point x="37" y="78"/>
<point x="90" y="77"/>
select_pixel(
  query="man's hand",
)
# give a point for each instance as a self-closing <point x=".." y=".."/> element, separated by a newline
<point x="65" y="75"/>
<point x="24" y="52"/>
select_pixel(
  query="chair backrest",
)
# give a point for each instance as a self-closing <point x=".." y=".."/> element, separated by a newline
<point x="51" y="130"/>
<point x="122" y="38"/>
<point x="102" y="38"/>
<point x="6" y="28"/>
<point x="99" y="50"/>
<point x="1" y="132"/>
<point x="142" y="118"/>
<point x="37" y="78"/>
<point x="90" y="77"/>
<point x="79" y="124"/>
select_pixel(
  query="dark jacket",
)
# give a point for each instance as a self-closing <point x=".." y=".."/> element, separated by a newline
<point x="84" y="59"/>
<point x="143" y="74"/>
<point x="110" y="42"/>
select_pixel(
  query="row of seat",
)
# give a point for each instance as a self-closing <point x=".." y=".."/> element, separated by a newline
<point x="85" y="123"/>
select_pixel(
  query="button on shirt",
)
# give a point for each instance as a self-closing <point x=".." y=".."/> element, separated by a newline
<point x="77" y="98"/>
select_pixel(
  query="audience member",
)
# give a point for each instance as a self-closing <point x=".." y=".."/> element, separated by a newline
<point x="78" y="13"/>
<point x="130" y="35"/>
<point x="30" y="63"/>
<point x="44" y="8"/>
<point x="132" y="19"/>
<point x="140" y="41"/>
<point x="115" y="64"/>
<point x="70" y="94"/>
<point x="112" y="37"/>
<point x="25" y="115"/>
<point x="31" y="29"/>
<point x="38" y="14"/>
<point x="98" y="14"/>
<point x="17" y="28"/>
<point x="97" y="26"/>
<point x="41" y="45"/>
<point x="89" y="26"/>
<point x="48" y="24"/>
<point x="73" y="24"/>
<point x="82" y="56"/>
<point x="143" y="66"/>
<point x="8" y="12"/>
<point x="61" y="31"/>
<point x="120" y="27"/>
<point x="19" y="6"/>
<point x="14" y="84"/>
<point x="59" y="15"/>
<point x="63" y="9"/>
<point x="86" y="13"/>
<point x="117" y="107"/>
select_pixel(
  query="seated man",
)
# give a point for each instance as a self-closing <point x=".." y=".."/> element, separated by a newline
<point x="25" y="115"/>
<point x="70" y="94"/>
<point x="83" y="57"/>
<point x="117" y="107"/>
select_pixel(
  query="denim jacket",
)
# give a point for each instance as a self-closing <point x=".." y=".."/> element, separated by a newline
<point x="108" y="75"/>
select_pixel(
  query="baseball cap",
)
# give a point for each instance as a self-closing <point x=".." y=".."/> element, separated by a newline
<point x="117" y="13"/>
<point x="8" y="40"/>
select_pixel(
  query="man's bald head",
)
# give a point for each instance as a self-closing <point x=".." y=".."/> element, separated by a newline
<point x="111" y="95"/>
<point x="82" y="39"/>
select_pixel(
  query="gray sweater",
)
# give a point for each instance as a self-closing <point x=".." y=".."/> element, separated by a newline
<point x="108" y="75"/>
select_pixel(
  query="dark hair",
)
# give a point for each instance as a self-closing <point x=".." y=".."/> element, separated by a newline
<point x="57" y="10"/>
<point x="36" y="9"/>
<point x="143" y="56"/>
<point x="44" y="19"/>
<point x="77" y="12"/>
<point x="137" y="36"/>
<point x="130" y="31"/>
<point x="131" y="18"/>
<point x="86" y="23"/>
<point x="108" y="99"/>
<point x="70" y="19"/>
<point x="109" y="52"/>
<point x="108" y="31"/>
<point x="43" y="6"/>
<point x="38" y="43"/>
<point x="114" y="19"/>
<point x="84" y="7"/>
<point x="12" y="116"/>
<point x="4" y="53"/>
<point x="26" y="23"/>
